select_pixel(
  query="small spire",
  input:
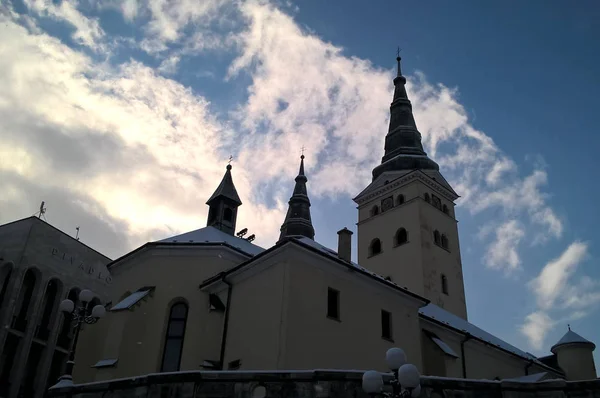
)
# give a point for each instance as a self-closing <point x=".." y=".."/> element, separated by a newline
<point x="226" y="189"/>
<point x="298" y="221"/>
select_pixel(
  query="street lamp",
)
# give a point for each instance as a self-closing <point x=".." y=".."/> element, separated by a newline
<point x="77" y="316"/>
<point x="406" y="382"/>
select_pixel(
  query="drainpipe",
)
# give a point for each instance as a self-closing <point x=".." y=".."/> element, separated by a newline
<point x="462" y="353"/>
<point x="225" y="323"/>
<point x="527" y="367"/>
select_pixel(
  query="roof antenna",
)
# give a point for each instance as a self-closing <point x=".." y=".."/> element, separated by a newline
<point x="77" y="236"/>
<point x="42" y="211"/>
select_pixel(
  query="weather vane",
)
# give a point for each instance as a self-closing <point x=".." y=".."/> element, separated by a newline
<point x="230" y="159"/>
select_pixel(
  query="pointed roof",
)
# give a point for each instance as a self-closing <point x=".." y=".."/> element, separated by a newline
<point x="403" y="147"/>
<point x="571" y="338"/>
<point x="226" y="189"/>
<point x="297" y="220"/>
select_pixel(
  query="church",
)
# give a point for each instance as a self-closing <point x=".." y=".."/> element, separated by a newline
<point x="211" y="299"/>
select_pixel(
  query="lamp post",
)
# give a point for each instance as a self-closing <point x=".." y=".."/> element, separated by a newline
<point x="77" y="316"/>
<point x="406" y="382"/>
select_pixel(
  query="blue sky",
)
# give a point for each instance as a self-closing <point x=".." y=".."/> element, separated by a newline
<point x="121" y="115"/>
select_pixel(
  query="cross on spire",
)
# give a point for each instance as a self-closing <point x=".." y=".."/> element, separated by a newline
<point x="230" y="159"/>
<point x="569" y="326"/>
<point x="302" y="150"/>
<point x="398" y="61"/>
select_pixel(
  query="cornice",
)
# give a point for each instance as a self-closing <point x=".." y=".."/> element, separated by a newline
<point x="405" y="179"/>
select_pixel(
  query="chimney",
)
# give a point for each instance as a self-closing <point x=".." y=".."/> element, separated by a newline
<point x="345" y="244"/>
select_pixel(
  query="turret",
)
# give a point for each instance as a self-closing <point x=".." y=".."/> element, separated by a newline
<point x="575" y="356"/>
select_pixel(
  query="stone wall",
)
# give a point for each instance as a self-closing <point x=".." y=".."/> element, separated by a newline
<point x="311" y="384"/>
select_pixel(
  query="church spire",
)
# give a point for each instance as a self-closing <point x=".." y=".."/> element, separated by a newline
<point x="297" y="220"/>
<point x="223" y="205"/>
<point x="403" y="147"/>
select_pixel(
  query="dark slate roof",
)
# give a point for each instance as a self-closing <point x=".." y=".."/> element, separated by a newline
<point x="226" y="189"/>
<point x="572" y="338"/>
<point x="298" y="221"/>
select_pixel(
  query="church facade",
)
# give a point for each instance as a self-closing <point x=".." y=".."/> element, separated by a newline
<point x="211" y="299"/>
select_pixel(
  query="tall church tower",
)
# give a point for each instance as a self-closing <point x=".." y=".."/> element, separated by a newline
<point x="407" y="231"/>
<point x="223" y="205"/>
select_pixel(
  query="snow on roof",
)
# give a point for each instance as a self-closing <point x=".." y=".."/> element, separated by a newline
<point x="214" y="235"/>
<point x="131" y="300"/>
<point x="444" y="347"/>
<point x="104" y="363"/>
<point x="332" y="253"/>
<point x="439" y="314"/>
<point x="569" y="338"/>
<point x="529" y="378"/>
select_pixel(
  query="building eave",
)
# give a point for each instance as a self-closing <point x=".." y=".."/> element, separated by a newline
<point x="464" y="333"/>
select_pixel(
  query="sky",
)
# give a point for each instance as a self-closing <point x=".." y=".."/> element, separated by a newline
<point x="121" y="116"/>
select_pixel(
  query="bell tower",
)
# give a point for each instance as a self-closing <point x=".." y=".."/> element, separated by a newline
<point x="407" y="231"/>
<point x="223" y="205"/>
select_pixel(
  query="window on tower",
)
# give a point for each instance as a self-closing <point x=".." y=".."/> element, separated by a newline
<point x="436" y="237"/>
<point x="401" y="237"/>
<point x="375" y="247"/>
<point x="444" y="241"/>
<point x="333" y="303"/>
<point x="399" y="200"/>
<point x="444" y="284"/>
<point x="436" y="202"/>
<point x="445" y="209"/>
<point x="228" y="214"/>
<point x="374" y="210"/>
<point x="427" y="198"/>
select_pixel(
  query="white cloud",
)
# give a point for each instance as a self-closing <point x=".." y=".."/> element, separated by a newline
<point x="554" y="277"/>
<point x="87" y="30"/>
<point x="536" y="326"/>
<point x="502" y="253"/>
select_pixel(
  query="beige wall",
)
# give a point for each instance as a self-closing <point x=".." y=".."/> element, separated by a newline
<point x="420" y="263"/>
<point x="278" y="317"/>
<point x="176" y="272"/>
<point x="257" y="316"/>
<point x="577" y="362"/>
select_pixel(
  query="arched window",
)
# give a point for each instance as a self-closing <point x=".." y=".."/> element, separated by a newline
<point x="228" y="214"/>
<point x="375" y="247"/>
<point x="445" y="209"/>
<point x="444" y="241"/>
<point x="436" y="237"/>
<point x="5" y="274"/>
<point x="401" y="236"/>
<point x="374" y="210"/>
<point x="174" y="339"/>
<point x="427" y="198"/>
<point x="50" y="304"/>
<point x="399" y="200"/>
<point x="444" y="284"/>
<point x="25" y="296"/>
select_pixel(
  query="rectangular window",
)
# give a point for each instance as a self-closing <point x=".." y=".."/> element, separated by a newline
<point x="386" y="325"/>
<point x="333" y="303"/>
